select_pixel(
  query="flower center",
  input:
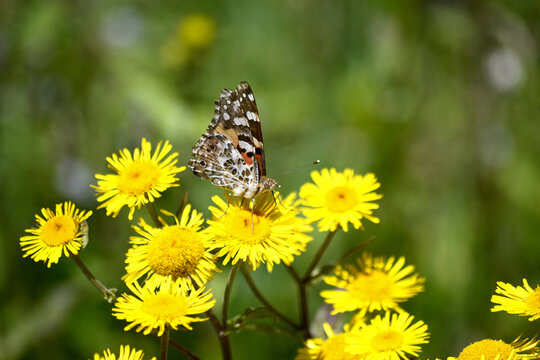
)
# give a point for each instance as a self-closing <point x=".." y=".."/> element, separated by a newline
<point x="247" y="232"/>
<point x="533" y="300"/>
<point x="387" y="340"/>
<point x="340" y="199"/>
<point x="334" y="349"/>
<point x="165" y="307"/>
<point x="175" y="251"/>
<point x="59" y="230"/>
<point x="488" y="348"/>
<point x="374" y="286"/>
<point x="138" y="178"/>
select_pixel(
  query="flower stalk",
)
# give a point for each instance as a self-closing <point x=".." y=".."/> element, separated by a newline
<point x="308" y="275"/>
<point x="227" y="293"/>
<point x="183" y="349"/>
<point x="153" y="214"/>
<point x="109" y="294"/>
<point x="223" y="338"/>
<point x="165" y="343"/>
<point x="266" y="303"/>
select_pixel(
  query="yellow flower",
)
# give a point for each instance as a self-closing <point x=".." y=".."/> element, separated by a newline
<point x="337" y="199"/>
<point x="388" y="338"/>
<point x="180" y="252"/>
<point x="197" y="30"/>
<point x="125" y="354"/>
<point x="519" y="300"/>
<point x="171" y="306"/>
<point x="333" y="348"/>
<point x="376" y="284"/>
<point x="140" y="178"/>
<point x="60" y="232"/>
<point x="275" y="234"/>
<point x="489" y="349"/>
<point x="194" y="34"/>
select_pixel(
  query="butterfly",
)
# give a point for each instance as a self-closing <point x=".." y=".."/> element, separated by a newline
<point x="231" y="153"/>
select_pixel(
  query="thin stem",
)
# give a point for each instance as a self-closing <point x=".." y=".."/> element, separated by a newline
<point x="262" y="299"/>
<point x="222" y="337"/>
<point x="183" y="350"/>
<point x="164" y="344"/>
<point x="109" y="294"/>
<point x="153" y="214"/>
<point x="227" y="293"/>
<point x="302" y="301"/>
<point x="182" y="205"/>
<point x="318" y="256"/>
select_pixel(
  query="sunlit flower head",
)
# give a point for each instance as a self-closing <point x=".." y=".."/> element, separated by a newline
<point x="524" y="301"/>
<point x="391" y="337"/>
<point x="139" y="178"/>
<point x="376" y="283"/>
<point x="339" y="198"/>
<point x="61" y="232"/>
<point x="276" y="233"/>
<point x="125" y="354"/>
<point x="179" y="252"/>
<point x="488" y="349"/>
<point x="170" y="305"/>
<point x="333" y="348"/>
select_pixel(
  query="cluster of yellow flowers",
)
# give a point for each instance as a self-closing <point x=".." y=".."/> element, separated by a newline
<point x="171" y="261"/>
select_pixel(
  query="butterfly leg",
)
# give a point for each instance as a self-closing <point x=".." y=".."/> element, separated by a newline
<point x="276" y="200"/>
<point x="252" y="223"/>
<point x="227" y="208"/>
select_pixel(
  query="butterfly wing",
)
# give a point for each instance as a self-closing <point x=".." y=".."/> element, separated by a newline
<point x="230" y="153"/>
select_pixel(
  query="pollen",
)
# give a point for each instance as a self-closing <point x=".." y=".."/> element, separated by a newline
<point x="374" y="286"/>
<point x="165" y="306"/>
<point x="249" y="233"/>
<point x="341" y="199"/>
<point x="387" y="340"/>
<point x="138" y="178"/>
<point x="175" y="251"/>
<point x="488" y="349"/>
<point x="59" y="230"/>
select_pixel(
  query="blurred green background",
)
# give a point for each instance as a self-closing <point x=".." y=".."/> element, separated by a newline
<point x="438" y="98"/>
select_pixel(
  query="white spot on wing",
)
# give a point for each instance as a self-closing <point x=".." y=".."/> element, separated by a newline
<point x="239" y="121"/>
<point x="250" y="96"/>
<point x="251" y="115"/>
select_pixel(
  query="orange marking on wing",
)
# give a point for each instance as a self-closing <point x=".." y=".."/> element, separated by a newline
<point x="249" y="160"/>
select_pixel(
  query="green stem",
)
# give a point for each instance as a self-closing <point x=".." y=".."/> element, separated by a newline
<point x="227" y="294"/>
<point x="182" y="205"/>
<point x="183" y="349"/>
<point x="318" y="256"/>
<point x="153" y="214"/>
<point x="262" y="299"/>
<point x="222" y="336"/>
<point x="302" y="301"/>
<point x="109" y="294"/>
<point x="164" y="344"/>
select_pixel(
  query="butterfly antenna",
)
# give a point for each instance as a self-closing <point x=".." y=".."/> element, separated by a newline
<point x="298" y="168"/>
